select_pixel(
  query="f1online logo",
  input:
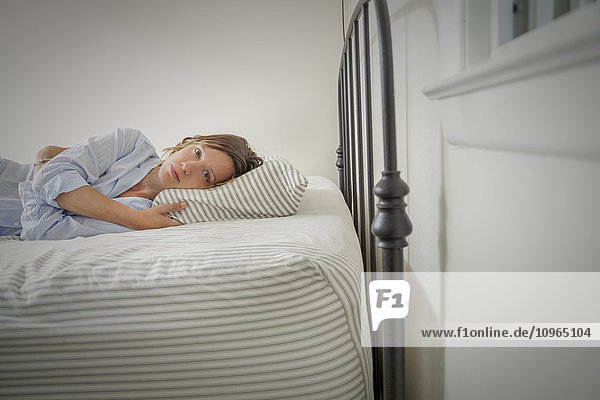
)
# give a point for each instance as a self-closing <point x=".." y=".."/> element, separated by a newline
<point x="388" y="299"/>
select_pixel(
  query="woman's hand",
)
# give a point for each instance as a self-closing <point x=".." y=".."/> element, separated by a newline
<point x="44" y="155"/>
<point x="156" y="217"/>
<point x="49" y="152"/>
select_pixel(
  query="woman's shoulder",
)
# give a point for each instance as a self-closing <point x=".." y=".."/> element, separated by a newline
<point x="124" y="137"/>
<point x="128" y="133"/>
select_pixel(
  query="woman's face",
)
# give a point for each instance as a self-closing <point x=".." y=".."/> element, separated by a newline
<point x="196" y="167"/>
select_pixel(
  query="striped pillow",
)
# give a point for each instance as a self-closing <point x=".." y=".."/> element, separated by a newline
<point x="275" y="189"/>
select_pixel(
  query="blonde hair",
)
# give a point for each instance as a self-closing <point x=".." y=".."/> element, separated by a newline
<point x="236" y="147"/>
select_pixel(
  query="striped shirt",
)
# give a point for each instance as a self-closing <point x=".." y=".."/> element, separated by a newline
<point x="110" y="163"/>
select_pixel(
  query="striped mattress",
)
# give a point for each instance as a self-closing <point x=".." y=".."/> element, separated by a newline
<point x="245" y="309"/>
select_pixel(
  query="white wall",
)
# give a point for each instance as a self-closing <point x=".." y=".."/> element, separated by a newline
<point x="264" y="69"/>
<point x="506" y="208"/>
<point x="494" y="207"/>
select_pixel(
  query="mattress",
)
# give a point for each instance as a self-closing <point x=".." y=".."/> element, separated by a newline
<point x="243" y="309"/>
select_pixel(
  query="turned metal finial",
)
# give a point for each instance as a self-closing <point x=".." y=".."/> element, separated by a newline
<point x="391" y="225"/>
<point x="340" y="158"/>
<point x="340" y="166"/>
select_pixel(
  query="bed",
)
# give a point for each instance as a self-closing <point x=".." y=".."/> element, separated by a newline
<point x="263" y="308"/>
<point x="238" y="309"/>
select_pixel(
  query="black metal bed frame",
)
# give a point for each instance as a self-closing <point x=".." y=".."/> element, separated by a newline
<point x="391" y="224"/>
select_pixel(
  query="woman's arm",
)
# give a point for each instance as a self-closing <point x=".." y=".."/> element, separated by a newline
<point x="88" y="202"/>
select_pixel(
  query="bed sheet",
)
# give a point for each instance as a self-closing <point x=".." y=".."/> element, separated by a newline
<point x="246" y="309"/>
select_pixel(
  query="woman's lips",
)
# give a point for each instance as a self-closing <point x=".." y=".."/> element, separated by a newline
<point x="174" y="173"/>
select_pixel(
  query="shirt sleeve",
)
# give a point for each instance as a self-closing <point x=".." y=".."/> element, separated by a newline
<point x="11" y="173"/>
<point x="42" y="221"/>
<point x="85" y="163"/>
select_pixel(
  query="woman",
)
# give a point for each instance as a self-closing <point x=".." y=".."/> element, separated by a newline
<point x="108" y="183"/>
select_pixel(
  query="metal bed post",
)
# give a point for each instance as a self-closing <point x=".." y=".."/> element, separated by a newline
<point x="340" y="163"/>
<point x="362" y="226"/>
<point x="340" y="153"/>
<point x="352" y="132"/>
<point x="369" y="130"/>
<point x="391" y="224"/>
<point x="345" y="129"/>
<point x="372" y="265"/>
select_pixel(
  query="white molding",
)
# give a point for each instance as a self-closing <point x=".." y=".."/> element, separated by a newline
<point x="570" y="40"/>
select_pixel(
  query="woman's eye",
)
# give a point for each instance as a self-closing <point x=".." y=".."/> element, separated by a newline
<point x="207" y="176"/>
<point x="198" y="152"/>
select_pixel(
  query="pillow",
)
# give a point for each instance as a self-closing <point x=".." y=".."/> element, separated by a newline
<point x="275" y="189"/>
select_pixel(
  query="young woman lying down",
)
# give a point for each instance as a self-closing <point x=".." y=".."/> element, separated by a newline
<point x="108" y="183"/>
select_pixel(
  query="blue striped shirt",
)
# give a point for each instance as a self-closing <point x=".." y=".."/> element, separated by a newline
<point x="110" y="163"/>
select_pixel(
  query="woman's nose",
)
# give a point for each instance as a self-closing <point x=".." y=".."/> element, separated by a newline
<point x="184" y="167"/>
<point x="187" y="166"/>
